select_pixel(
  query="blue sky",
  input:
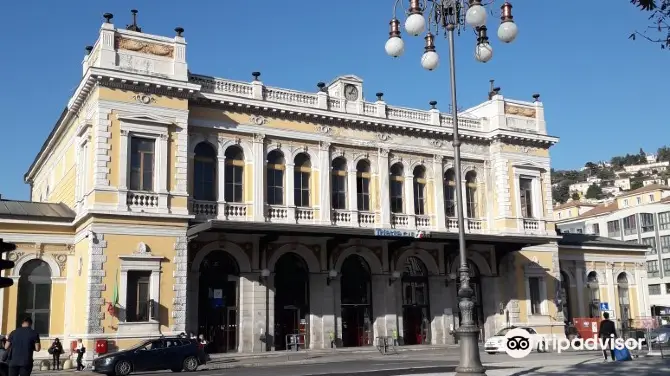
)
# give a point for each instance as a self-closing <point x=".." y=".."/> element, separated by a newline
<point x="603" y="94"/>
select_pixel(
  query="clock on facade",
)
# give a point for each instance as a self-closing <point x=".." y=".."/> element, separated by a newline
<point x="351" y="92"/>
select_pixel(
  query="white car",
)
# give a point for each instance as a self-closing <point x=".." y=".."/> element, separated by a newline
<point x="496" y="344"/>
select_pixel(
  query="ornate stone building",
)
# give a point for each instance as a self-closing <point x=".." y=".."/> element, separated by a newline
<point x="247" y="212"/>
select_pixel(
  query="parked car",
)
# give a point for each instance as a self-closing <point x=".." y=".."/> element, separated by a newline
<point x="496" y="344"/>
<point x="176" y="354"/>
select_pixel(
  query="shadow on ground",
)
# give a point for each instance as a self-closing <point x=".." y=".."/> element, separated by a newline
<point x="639" y="367"/>
<point x="408" y="371"/>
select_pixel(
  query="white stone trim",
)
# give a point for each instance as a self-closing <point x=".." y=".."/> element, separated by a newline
<point x="101" y="148"/>
<point x="535" y="175"/>
<point x="95" y="286"/>
<point x="589" y="258"/>
<point x="139" y="262"/>
<point x="234" y="250"/>
<point x="421" y="254"/>
<point x="37" y="238"/>
<point x="159" y="133"/>
<point x="46" y="257"/>
<point x="373" y="262"/>
<point x="180" y="276"/>
<point x="134" y="230"/>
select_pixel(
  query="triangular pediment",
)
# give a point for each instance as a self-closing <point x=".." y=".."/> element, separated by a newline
<point x="349" y="78"/>
<point x="530" y="165"/>
<point x="146" y="118"/>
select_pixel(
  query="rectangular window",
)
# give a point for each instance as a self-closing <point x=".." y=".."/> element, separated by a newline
<point x="655" y="289"/>
<point x="419" y="196"/>
<point x="652" y="269"/>
<point x="639" y="200"/>
<point x="667" y="288"/>
<point x="664" y="220"/>
<point x="339" y="190"/>
<point x="651" y="198"/>
<point x="595" y="229"/>
<point x="630" y="225"/>
<point x="665" y="244"/>
<point x="666" y="265"/>
<point x="142" y="164"/>
<point x="396" y="196"/>
<point x="647" y="222"/>
<point x="275" y="181"/>
<point x="301" y="188"/>
<point x="234" y="177"/>
<point x="625" y="203"/>
<point x="137" y="296"/>
<point x="363" y="192"/>
<point x="651" y="243"/>
<point x="613" y="229"/>
<point x="526" y="197"/>
<point x="535" y="298"/>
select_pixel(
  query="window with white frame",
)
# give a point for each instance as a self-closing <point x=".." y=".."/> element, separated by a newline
<point x="666" y="265"/>
<point x="535" y="298"/>
<point x="655" y="289"/>
<point x="613" y="228"/>
<point x="630" y="225"/>
<point x="664" y="220"/>
<point x="647" y="222"/>
<point x="651" y="198"/>
<point x="142" y="152"/>
<point x="139" y="287"/>
<point x="651" y="243"/>
<point x="536" y="290"/>
<point x="595" y="229"/>
<point x="665" y="244"/>
<point x="526" y="197"/>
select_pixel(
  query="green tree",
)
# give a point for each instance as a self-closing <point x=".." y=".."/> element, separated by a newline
<point x="560" y="193"/>
<point x="663" y="153"/>
<point x="636" y="184"/>
<point x="605" y="174"/>
<point x="594" y="191"/>
<point x="575" y="196"/>
<point x="658" y="30"/>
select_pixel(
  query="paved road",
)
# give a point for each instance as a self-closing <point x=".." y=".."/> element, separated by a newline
<point x="390" y="365"/>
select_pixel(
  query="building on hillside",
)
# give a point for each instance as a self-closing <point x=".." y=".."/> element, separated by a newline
<point x="169" y="202"/>
<point x="622" y="183"/>
<point x="640" y="216"/>
<point x="571" y="209"/>
<point x="580" y="188"/>
<point x="647" y="168"/>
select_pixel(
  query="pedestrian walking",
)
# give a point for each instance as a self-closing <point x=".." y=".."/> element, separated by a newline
<point x="607" y="332"/>
<point x="56" y="349"/>
<point x="21" y="344"/>
<point x="80" y="350"/>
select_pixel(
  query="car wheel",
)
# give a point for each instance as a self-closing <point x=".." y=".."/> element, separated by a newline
<point x="123" y="368"/>
<point x="190" y="364"/>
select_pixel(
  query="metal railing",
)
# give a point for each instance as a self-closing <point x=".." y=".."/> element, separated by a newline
<point x="386" y="345"/>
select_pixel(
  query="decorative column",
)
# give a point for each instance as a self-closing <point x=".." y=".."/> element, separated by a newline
<point x="610" y="280"/>
<point x="324" y="184"/>
<point x="438" y="184"/>
<point x="384" y="194"/>
<point x="221" y="185"/>
<point x="162" y="160"/>
<point x="408" y="188"/>
<point x="289" y="195"/>
<point x="352" y="193"/>
<point x="259" y="159"/>
<point x="123" y="170"/>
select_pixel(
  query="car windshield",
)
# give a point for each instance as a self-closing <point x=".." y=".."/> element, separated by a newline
<point x="503" y="332"/>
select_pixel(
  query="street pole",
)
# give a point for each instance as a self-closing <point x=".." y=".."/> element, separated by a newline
<point x="468" y="333"/>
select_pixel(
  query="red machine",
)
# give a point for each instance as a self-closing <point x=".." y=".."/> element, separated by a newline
<point x="101" y="346"/>
<point x="302" y="333"/>
<point x="587" y="327"/>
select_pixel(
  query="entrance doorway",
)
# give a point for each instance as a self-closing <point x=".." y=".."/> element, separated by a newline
<point x="217" y="302"/>
<point x="415" y="302"/>
<point x="291" y="285"/>
<point x="356" y="302"/>
<point x="476" y="285"/>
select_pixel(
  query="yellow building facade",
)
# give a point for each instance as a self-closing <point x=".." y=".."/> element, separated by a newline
<point x="166" y="202"/>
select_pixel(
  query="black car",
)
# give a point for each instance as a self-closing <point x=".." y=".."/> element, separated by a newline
<point x="175" y="354"/>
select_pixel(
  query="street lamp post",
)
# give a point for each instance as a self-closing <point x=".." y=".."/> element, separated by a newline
<point x="449" y="16"/>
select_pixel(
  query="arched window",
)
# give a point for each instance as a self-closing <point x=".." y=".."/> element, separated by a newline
<point x="594" y="294"/>
<point x="204" y="172"/>
<point x="275" y="178"/>
<point x="396" y="184"/>
<point x="450" y="193"/>
<point x="419" y="190"/>
<point x="339" y="183"/>
<point x="234" y="174"/>
<point x="624" y="302"/>
<point x="34" y="295"/>
<point x="363" y="185"/>
<point x="471" y="194"/>
<point x="301" y="177"/>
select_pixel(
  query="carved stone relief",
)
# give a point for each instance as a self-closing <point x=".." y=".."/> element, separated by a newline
<point x="122" y="43"/>
<point x="257" y="119"/>
<point x="519" y="111"/>
<point x="384" y="137"/>
<point x="144" y="98"/>
<point x="61" y="260"/>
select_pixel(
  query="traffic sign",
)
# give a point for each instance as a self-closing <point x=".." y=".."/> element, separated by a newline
<point x="604" y="306"/>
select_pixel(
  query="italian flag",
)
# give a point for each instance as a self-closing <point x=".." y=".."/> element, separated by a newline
<point x="115" y="295"/>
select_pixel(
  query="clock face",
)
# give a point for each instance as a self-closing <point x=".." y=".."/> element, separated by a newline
<point x="351" y="92"/>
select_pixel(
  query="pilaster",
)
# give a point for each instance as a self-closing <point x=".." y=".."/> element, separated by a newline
<point x="95" y="286"/>
<point x="408" y="187"/>
<point x="290" y="198"/>
<point x="324" y="184"/>
<point x="179" y="284"/>
<point x="259" y="167"/>
<point x="579" y="276"/>
<point x="500" y="167"/>
<point x="221" y="185"/>
<point x="352" y="194"/>
<point x="101" y="146"/>
<point x="438" y="185"/>
<point x="384" y="199"/>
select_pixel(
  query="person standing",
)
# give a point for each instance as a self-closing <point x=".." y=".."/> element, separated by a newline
<point x="22" y="343"/>
<point x="80" y="350"/>
<point x="607" y="332"/>
<point x="56" y="350"/>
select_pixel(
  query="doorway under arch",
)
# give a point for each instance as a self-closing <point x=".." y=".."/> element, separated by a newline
<point x="356" y="302"/>
<point x="218" y="294"/>
<point x="34" y="295"/>
<point x="291" y="284"/>
<point x="415" y="302"/>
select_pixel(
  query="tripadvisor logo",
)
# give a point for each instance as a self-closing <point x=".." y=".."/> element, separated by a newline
<point x="518" y="344"/>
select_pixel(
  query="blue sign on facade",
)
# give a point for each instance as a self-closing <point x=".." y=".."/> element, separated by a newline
<point x="393" y="233"/>
<point x="604" y="306"/>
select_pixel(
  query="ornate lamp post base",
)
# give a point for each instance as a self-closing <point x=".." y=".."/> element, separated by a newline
<point x="470" y="363"/>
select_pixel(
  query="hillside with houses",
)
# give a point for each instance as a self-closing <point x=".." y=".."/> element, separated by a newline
<point x="599" y="182"/>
